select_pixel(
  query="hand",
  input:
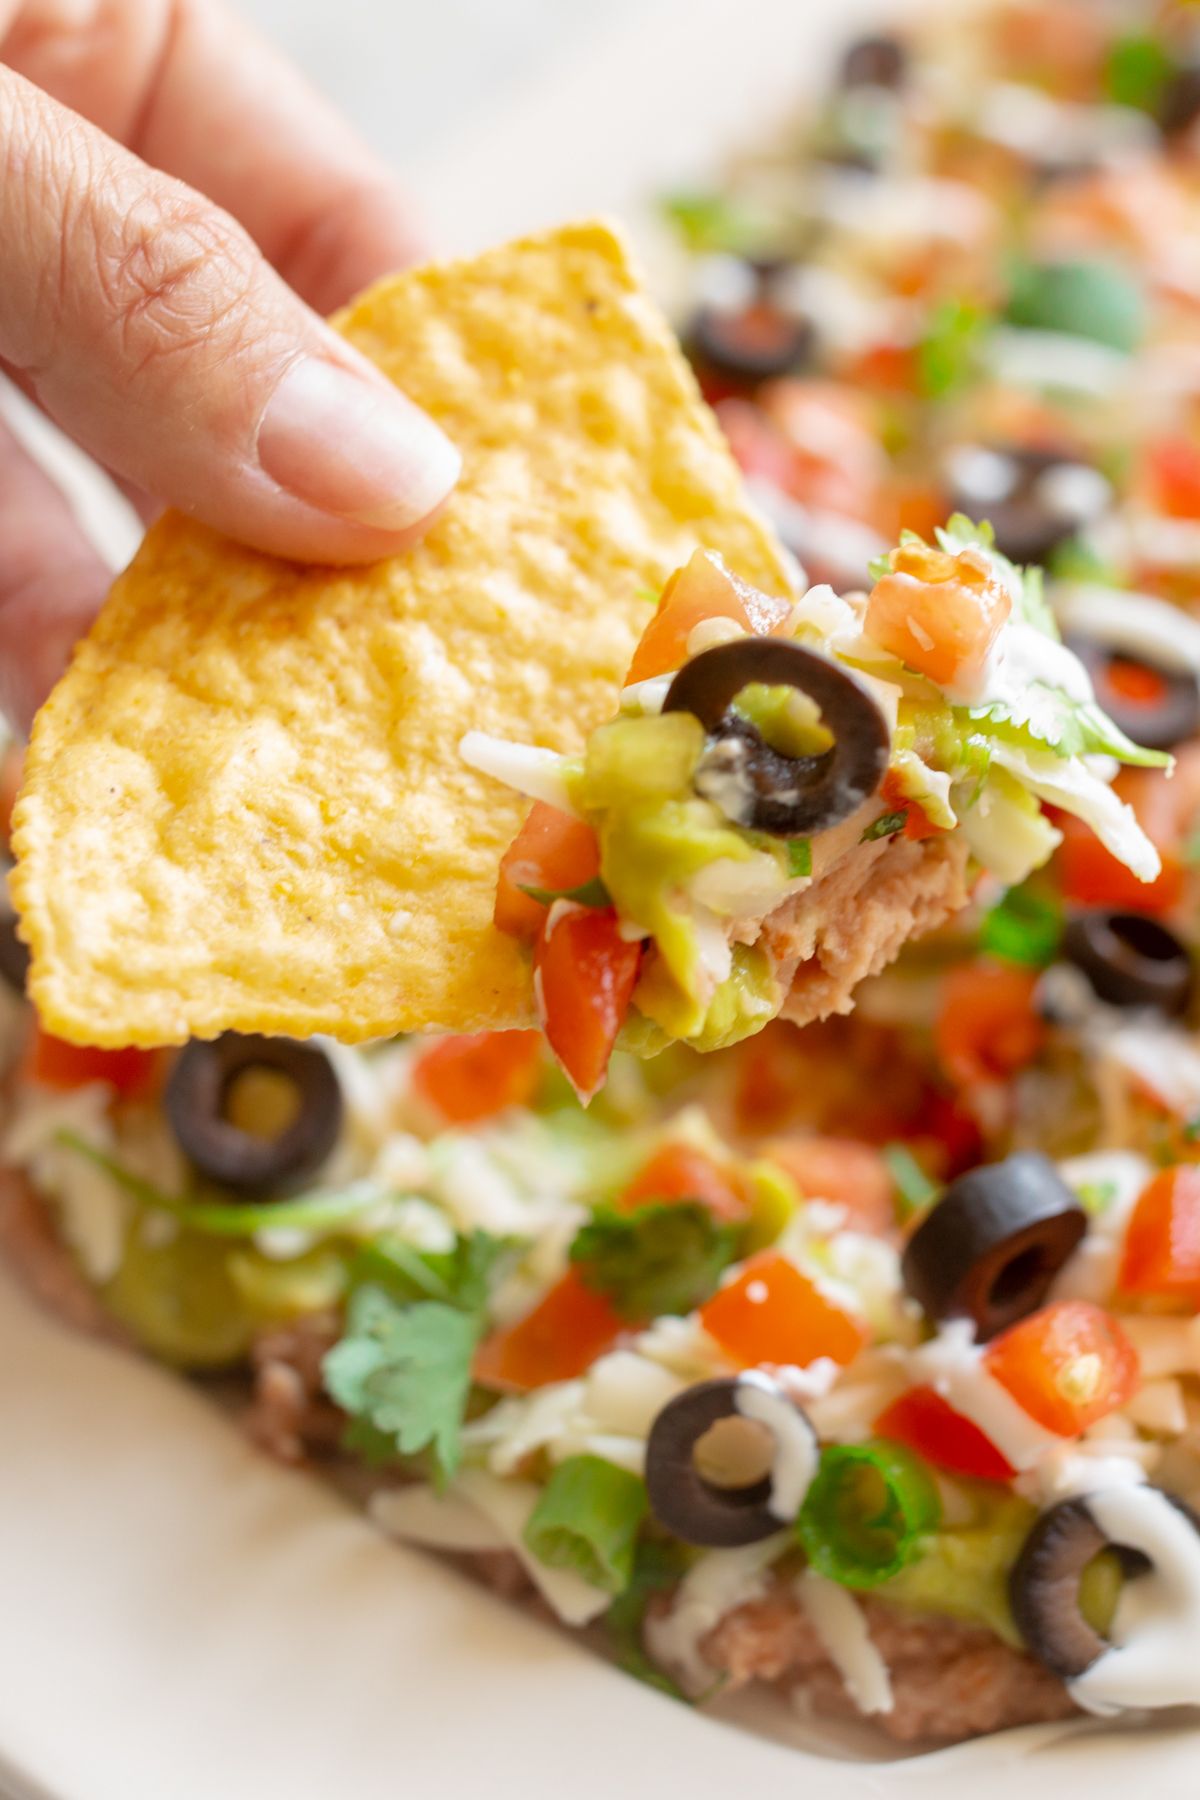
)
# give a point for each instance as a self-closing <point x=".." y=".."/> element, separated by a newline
<point x="164" y="326"/>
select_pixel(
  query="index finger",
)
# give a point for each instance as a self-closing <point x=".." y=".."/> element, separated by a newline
<point x="195" y="91"/>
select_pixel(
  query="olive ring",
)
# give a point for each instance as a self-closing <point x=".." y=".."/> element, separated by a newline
<point x="697" y="1510"/>
<point x="1169" y="715"/>
<point x="1130" y="959"/>
<point x="1044" y="1583"/>
<point x="994" y="1242"/>
<point x="786" y="796"/>
<point x="197" y="1094"/>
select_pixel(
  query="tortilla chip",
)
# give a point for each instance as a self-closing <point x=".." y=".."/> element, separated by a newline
<point x="244" y="805"/>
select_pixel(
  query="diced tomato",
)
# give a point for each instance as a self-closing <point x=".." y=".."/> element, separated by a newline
<point x="679" y="1172"/>
<point x="1173" y="477"/>
<point x="1090" y="875"/>
<point x="1067" y="1365"/>
<point x="1161" y="1255"/>
<point x="837" y="463"/>
<point x="470" y="1078"/>
<point x="912" y="507"/>
<point x="552" y="851"/>
<point x="892" y="368"/>
<point x="12" y="766"/>
<point x="584" y="976"/>
<point x="759" y="446"/>
<point x="54" y="1063"/>
<point x="938" y="613"/>
<point x="562" y="1337"/>
<point x="917" y="825"/>
<point x="987" y="1027"/>
<point x="702" y="589"/>
<point x="850" y="1174"/>
<point x="930" y="1426"/>
<point x="772" y="1313"/>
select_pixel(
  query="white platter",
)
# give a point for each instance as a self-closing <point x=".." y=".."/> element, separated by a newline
<point x="179" y="1619"/>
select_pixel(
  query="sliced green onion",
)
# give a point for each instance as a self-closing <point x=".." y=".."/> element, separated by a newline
<point x="1024" y="927"/>
<point x="913" y="1186"/>
<point x="867" y="1511"/>
<point x="799" y="857"/>
<point x="308" y="1212"/>
<point x="888" y="826"/>
<point x="591" y="893"/>
<point x="588" y="1519"/>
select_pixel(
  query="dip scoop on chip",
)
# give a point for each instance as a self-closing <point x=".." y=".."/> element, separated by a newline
<point x="276" y="799"/>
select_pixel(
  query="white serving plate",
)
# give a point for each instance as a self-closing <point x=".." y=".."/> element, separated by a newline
<point x="180" y="1619"/>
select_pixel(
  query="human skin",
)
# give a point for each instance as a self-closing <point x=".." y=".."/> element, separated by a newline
<point x="178" y="208"/>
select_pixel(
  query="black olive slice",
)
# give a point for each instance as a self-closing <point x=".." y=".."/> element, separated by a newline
<point x="197" y="1097"/>
<point x="695" y="1507"/>
<point x="879" y="61"/>
<point x="1035" y="500"/>
<point x="1179" y="103"/>
<point x="752" y="343"/>
<point x="1044" y="1583"/>
<point x="990" y="1248"/>
<point x="789" y="796"/>
<point x="1130" y="959"/>
<point x="14" y="955"/>
<point x="1159" y="708"/>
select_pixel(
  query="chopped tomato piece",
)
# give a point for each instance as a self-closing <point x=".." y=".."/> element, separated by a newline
<point x="1161" y="1255"/>
<point x="852" y="1175"/>
<point x="917" y="824"/>
<point x="987" y="1027"/>
<point x="679" y="1172"/>
<point x="584" y="976"/>
<point x="563" y="1335"/>
<point x="1173" y="478"/>
<point x="938" y="613"/>
<point x="551" y="851"/>
<point x="56" y="1064"/>
<point x="1067" y="1365"/>
<point x="772" y="1313"/>
<point x="702" y="589"/>
<point x="930" y="1426"/>
<point x="759" y="446"/>
<point x="470" y="1078"/>
<point x="1090" y="875"/>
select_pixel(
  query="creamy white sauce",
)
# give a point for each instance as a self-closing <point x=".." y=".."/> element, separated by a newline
<point x="1023" y="655"/>
<point x="952" y="1363"/>
<point x="1139" y="624"/>
<point x="796" y="1452"/>
<point x="1091" y="1273"/>
<point x="839" y="1622"/>
<point x="1055" y="359"/>
<point x="715" y="1585"/>
<point x="1155" y="1656"/>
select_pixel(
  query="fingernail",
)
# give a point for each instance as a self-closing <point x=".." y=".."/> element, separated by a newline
<point x="354" y="447"/>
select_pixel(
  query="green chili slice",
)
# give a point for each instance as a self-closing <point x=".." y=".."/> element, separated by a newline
<point x="867" y="1511"/>
<point x="588" y="1519"/>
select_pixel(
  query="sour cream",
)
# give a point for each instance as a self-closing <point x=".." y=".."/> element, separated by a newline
<point x="1154" y="1660"/>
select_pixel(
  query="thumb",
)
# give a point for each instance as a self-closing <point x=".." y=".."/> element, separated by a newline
<point x="150" y="328"/>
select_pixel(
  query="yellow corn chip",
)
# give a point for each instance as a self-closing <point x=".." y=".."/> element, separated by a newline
<point x="244" y="805"/>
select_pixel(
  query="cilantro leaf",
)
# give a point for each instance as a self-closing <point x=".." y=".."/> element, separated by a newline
<point x="457" y="1277"/>
<point x="405" y="1372"/>
<point x="666" y="1257"/>
<point x="587" y="1518"/>
<point x="1024" y="927"/>
<point x="1069" y="727"/>
<point x="950" y="355"/>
